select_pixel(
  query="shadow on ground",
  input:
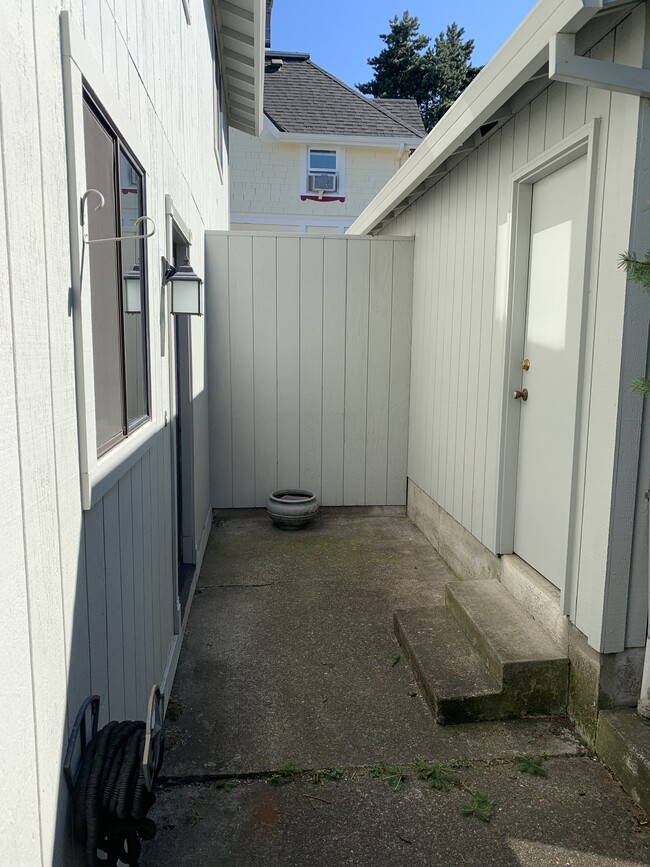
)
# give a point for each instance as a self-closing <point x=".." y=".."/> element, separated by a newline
<point x="290" y="657"/>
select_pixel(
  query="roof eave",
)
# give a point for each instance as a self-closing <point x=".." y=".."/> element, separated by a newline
<point x="519" y="58"/>
<point x="380" y="141"/>
<point x="241" y="26"/>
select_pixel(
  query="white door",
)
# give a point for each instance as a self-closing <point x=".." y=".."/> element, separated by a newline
<point x="552" y="350"/>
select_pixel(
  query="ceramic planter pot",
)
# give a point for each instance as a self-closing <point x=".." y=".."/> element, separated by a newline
<point x="292" y="508"/>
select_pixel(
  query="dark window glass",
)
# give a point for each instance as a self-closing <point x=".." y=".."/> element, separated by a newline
<point x="119" y="337"/>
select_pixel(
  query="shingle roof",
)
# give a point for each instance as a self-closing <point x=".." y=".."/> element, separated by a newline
<point x="300" y="97"/>
<point x="405" y="110"/>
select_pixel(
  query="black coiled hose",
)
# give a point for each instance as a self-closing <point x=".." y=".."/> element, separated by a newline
<point x="111" y="800"/>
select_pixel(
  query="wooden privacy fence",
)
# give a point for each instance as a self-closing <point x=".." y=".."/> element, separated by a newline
<point x="309" y="343"/>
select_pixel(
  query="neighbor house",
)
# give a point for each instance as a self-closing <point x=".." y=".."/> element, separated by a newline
<point x="113" y="126"/>
<point x="324" y="151"/>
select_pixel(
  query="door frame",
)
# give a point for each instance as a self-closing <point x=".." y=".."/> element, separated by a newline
<point x="583" y="142"/>
<point x="175" y="228"/>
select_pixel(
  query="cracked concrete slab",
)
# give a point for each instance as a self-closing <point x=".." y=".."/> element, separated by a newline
<point x="290" y="656"/>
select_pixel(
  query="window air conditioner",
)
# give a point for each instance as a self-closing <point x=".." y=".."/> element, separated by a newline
<point x="323" y="183"/>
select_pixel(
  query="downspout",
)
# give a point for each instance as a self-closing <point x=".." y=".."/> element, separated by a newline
<point x="644" y="698"/>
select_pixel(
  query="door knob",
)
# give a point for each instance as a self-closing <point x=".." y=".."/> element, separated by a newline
<point x="520" y="395"/>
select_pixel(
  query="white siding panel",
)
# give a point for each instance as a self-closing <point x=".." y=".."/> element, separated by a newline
<point x="319" y="353"/>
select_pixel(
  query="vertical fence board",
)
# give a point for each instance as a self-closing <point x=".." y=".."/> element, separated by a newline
<point x="288" y="384"/>
<point x="240" y="272"/>
<point x="400" y="359"/>
<point x="220" y="407"/>
<point x="265" y="368"/>
<point x="356" y="373"/>
<point x="334" y="298"/>
<point x="311" y="363"/>
<point x="309" y="382"/>
<point x="379" y="330"/>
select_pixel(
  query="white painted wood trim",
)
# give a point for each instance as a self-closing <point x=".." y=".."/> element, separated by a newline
<point x="565" y="65"/>
<point x="582" y="142"/>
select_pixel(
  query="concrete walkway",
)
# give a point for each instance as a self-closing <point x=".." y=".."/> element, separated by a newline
<point x="290" y="664"/>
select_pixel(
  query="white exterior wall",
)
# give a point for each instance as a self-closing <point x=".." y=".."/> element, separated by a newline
<point x="89" y="596"/>
<point x="308" y="367"/>
<point x="463" y="240"/>
<point x="266" y="180"/>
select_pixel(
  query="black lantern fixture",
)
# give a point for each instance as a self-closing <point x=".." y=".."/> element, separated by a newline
<point x="186" y="290"/>
<point x="133" y="290"/>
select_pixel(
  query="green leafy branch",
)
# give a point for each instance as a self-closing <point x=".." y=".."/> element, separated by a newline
<point x="639" y="272"/>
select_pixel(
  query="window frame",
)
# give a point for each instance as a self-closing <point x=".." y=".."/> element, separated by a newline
<point x="81" y="71"/>
<point x="305" y="170"/>
<point x="120" y="148"/>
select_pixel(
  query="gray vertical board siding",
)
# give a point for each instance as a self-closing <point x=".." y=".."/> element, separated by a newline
<point x="317" y="342"/>
<point x="460" y="303"/>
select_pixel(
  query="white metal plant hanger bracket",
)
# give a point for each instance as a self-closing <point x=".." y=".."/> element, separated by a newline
<point x="118" y="239"/>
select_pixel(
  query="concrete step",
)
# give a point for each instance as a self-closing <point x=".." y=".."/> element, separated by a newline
<point x="531" y="667"/>
<point x="454" y="681"/>
<point x="482" y="657"/>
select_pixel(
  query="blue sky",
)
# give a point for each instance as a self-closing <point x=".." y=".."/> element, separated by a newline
<point x="341" y="34"/>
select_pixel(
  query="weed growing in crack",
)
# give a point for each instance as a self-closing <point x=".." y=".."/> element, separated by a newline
<point x="285" y="775"/>
<point x="391" y="774"/>
<point x="326" y="775"/>
<point x="479" y="805"/>
<point x="438" y="775"/>
<point x="531" y="765"/>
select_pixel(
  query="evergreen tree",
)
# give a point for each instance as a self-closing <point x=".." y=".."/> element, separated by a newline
<point x="449" y="72"/>
<point x="639" y="271"/>
<point x="410" y="68"/>
<point x="399" y="68"/>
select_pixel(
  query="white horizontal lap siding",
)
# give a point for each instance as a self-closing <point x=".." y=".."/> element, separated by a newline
<point x="308" y="367"/>
<point x="462" y="231"/>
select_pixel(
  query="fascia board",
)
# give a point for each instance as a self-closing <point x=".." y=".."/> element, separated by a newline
<point x="521" y="56"/>
<point x="349" y="140"/>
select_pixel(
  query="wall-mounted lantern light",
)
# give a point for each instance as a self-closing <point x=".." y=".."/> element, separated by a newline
<point x="186" y="290"/>
<point x="133" y="290"/>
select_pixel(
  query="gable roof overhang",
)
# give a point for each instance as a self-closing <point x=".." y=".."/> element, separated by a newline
<point x="241" y="25"/>
<point x="483" y="103"/>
